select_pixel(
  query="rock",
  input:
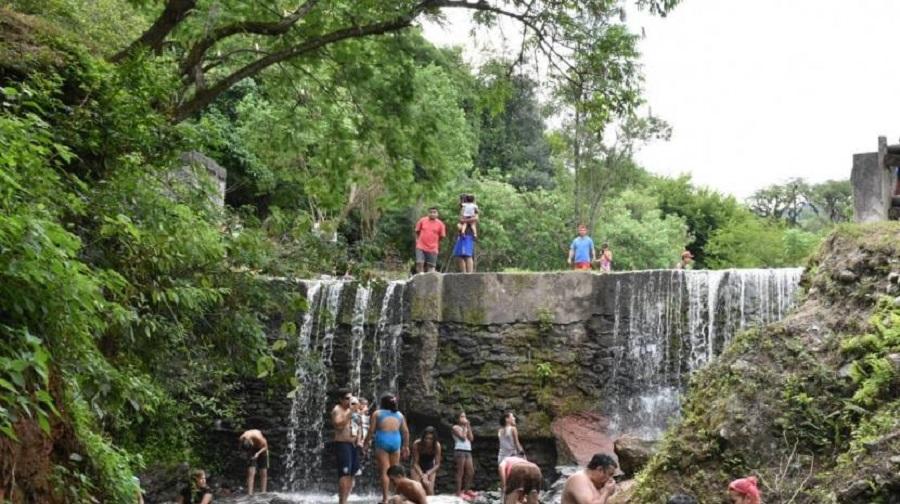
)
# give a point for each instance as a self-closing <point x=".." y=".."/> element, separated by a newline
<point x="634" y="453"/>
<point x="624" y="492"/>
<point x="581" y="435"/>
<point x="895" y="460"/>
<point x="857" y="492"/>
<point x="844" y="371"/>
<point x="895" y="360"/>
<point x="897" y="301"/>
<point x="847" y="276"/>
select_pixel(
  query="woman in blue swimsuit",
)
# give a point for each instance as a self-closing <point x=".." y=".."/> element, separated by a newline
<point x="390" y="437"/>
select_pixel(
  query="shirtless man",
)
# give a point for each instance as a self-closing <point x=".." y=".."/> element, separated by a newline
<point x="593" y="485"/>
<point x="521" y="480"/>
<point x="257" y="449"/>
<point x="345" y="443"/>
<point x="407" y="489"/>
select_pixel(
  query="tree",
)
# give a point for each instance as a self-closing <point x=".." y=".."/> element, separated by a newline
<point x="638" y="233"/>
<point x="704" y="210"/>
<point x="216" y="45"/>
<point x="511" y="141"/>
<point x="781" y="201"/>
<point x="832" y="200"/>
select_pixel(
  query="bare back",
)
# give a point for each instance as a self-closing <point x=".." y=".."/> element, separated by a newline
<point x="413" y="491"/>
<point x="256" y="437"/>
<point x="580" y="490"/>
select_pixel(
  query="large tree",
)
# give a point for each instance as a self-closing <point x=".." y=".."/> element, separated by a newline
<point x="218" y="44"/>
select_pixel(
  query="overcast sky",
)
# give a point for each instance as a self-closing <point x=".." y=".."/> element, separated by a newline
<point x="759" y="91"/>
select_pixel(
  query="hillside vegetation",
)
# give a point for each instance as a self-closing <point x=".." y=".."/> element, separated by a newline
<point x="811" y="405"/>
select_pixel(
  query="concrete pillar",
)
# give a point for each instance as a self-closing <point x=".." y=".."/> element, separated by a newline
<point x="871" y="182"/>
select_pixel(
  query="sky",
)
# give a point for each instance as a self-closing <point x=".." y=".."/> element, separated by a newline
<point x="756" y="91"/>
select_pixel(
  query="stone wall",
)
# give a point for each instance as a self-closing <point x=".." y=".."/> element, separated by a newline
<point x="547" y="346"/>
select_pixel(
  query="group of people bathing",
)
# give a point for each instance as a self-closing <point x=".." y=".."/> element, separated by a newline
<point x="386" y="433"/>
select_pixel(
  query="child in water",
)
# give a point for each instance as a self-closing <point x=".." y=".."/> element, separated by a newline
<point x="468" y="214"/>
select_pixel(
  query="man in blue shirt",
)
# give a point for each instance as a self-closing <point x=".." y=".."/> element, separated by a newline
<point x="582" y="253"/>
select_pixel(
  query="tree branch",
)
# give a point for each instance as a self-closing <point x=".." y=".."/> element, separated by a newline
<point x="173" y="14"/>
<point x="204" y="97"/>
<point x="198" y="50"/>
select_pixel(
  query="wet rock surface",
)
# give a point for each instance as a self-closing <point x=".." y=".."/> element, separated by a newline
<point x="634" y="453"/>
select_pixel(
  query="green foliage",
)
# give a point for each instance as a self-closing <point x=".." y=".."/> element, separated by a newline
<point x="638" y="233"/>
<point x="872" y="368"/>
<point x="750" y="242"/>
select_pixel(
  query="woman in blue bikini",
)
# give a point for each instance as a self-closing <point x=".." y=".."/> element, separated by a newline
<point x="389" y="435"/>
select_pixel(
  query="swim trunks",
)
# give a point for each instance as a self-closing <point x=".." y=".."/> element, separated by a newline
<point x="347" y="458"/>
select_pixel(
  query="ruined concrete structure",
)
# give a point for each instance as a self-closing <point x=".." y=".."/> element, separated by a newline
<point x="876" y="189"/>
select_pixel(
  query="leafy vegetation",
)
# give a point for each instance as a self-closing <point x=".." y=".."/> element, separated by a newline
<point x="131" y="306"/>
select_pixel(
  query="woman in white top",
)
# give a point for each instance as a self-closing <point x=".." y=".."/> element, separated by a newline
<point x="462" y="456"/>
<point x="509" y="437"/>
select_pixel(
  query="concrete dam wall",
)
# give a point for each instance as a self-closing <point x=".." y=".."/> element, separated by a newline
<point x="619" y="347"/>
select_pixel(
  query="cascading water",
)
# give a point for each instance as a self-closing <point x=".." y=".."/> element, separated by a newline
<point x="387" y="341"/>
<point x="314" y="351"/>
<point x="308" y="430"/>
<point x="659" y="340"/>
<point x="358" y="336"/>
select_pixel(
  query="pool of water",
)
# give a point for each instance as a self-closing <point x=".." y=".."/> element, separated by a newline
<point x="326" y="498"/>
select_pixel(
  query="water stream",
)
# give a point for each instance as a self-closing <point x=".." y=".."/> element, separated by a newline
<point x="664" y="325"/>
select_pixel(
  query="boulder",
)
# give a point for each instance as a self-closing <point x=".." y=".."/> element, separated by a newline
<point x="634" y="453"/>
<point x="580" y="435"/>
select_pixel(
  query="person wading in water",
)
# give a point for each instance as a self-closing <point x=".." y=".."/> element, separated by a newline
<point x="389" y="435"/>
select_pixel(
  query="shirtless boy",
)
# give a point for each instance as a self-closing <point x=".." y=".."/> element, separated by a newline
<point x="407" y="489"/>
<point x="257" y="449"/>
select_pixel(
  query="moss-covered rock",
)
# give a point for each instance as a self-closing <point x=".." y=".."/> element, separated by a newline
<point x="809" y="405"/>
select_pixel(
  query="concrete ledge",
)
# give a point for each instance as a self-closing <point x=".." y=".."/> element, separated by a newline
<point x="502" y="298"/>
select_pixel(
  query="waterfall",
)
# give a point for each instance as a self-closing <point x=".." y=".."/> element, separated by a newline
<point x="358" y="336"/>
<point x="662" y="340"/>
<point x="387" y="342"/>
<point x="321" y="341"/>
<point x="315" y="345"/>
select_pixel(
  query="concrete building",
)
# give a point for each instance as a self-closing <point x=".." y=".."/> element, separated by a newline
<point x="876" y="188"/>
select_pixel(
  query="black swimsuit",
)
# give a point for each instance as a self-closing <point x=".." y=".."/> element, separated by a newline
<point x="426" y="460"/>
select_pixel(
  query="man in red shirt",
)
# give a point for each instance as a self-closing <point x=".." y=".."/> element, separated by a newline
<point x="429" y="232"/>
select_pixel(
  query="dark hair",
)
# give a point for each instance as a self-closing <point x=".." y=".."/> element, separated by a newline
<point x="341" y="392"/>
<point x="469" y="198"/>
<point x="429" y="430"/>
<point x="388" y="402"/>
<point x="601" y="460"/>
<point x="681" y="499"/>
<point x="503" y="418"/>
<point x="396" y="471"/>
<point x="605" y="245"/>
<point x="432" y="208"/>
<point x="247" y="444"/>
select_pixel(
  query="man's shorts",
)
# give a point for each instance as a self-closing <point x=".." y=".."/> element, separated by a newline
<point x="347" y="459"/>
<point x="426" y="257"/>
<point x="582" y="265"/>
<point x="261" y="462"/>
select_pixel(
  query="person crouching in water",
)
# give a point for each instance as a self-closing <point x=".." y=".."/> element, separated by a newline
<point x="426" y="452"/>
<point x="407" y="489"/>
<point x="520" y="480"/>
